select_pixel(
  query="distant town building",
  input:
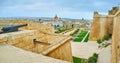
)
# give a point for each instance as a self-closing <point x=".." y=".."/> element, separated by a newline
<point x="56" y="18"/>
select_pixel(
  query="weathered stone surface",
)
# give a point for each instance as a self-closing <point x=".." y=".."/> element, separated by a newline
<point x="116" y="39"/>
<point x="108" y="25"/>
<point x="24" y="39"/>
<point x="95" y="29"/>
<point x="102" y="25"/>
<point x="11" y="54"/>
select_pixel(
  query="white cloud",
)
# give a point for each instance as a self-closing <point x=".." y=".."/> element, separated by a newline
<point x="50" y="9"/>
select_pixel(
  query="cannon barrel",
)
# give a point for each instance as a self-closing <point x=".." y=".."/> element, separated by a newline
<point x="20" y="25"/>
<point x="12" y="28"/>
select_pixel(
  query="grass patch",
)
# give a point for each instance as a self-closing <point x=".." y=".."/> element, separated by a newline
<point x="81" y="35"/>
<point x="78" y="39"/>
<point x="86" y="39"/>
<point x="62" y="30"/>
<point x="76" y="60"/>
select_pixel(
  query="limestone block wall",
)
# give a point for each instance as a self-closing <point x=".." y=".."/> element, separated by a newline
<point x="102" y="25"/>
<point x="116" y="39"/>
<point x="24" y="40"/>
<point x="106" y="25"/>
<point x="95" y="29"/>
<point x="103" y="30"/>
<point x="109" y="24"/>
<point x="60" y="52"/>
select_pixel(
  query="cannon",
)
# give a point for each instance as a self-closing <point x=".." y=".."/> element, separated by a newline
<point x="11" y="28"/>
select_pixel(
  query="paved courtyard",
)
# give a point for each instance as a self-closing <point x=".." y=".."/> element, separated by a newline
<point x="86" y="49"/>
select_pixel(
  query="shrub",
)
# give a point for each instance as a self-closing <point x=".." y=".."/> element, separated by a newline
<point x="93" y="59"/>
<point x="106" y="37"/>
<point x="84" y="61"/>
<point x="99" y="41"/>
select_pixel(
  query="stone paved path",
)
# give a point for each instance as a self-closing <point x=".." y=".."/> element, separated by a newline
<point x="11" y="54"/>
<point x="86" y="49"/>
<point x="105" y="55"/>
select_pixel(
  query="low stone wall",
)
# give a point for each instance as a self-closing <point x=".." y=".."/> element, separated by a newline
<point x="24" y="40"/>
<point x="30" y="26"/>
<point x="60" y="51"/>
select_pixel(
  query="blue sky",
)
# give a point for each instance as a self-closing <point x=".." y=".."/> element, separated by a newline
<point x="76" y="9"/>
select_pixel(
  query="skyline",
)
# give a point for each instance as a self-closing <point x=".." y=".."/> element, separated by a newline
<point x="75" y="9"/>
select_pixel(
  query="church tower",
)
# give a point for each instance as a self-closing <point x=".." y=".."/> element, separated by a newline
<point x="56" y="18"/>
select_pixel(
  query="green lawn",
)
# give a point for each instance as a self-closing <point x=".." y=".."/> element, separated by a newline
<point x="86" y="39"/>
<point x="80" y="36"/>
<point x="78" y="60"/>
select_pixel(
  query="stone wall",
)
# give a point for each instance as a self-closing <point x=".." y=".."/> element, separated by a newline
<point x="116" y="39"/>
<point x="102" y="25"/>
<point x="108" y="25"/>
<point x="95" y="29"/>
<point x="24" y="40"/>
<point x="61" y="52"/>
